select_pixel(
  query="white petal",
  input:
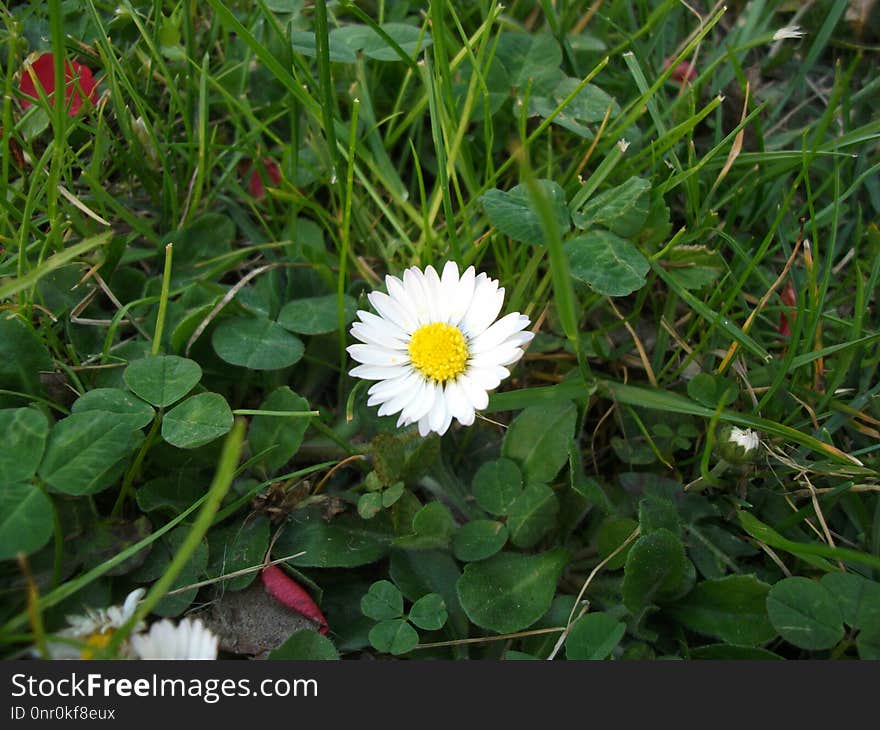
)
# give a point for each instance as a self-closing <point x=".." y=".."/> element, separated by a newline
<point x="372" y="355"/>
<point x="520" y="339"/>
<point x="437" y="414"/>
<point x="377" y="372"/>
<point x="464" y="294"/>
<point x="449" y="279"/>
<point x="502" y="355"/>
<point x="447" y="420"/>
<point x="403" y="298"/>
<point x="424" y="427"/>
<point x="487" y="378"/>
<point x="387" y="390"/>
<point x="459" y="404"/>
<point x="187" y="640"/>
<point x="374" y="336"/>
<point x="375" y="321"/>
<point x="403" y="397"/>
<point x="428" y="396"/>
<point x="414" y="282"/>
<point x="393" y="312"/>
<point x="485" y="306"/>
<point x="438" y="307"/>
<point x="505" y="327"/>
<point x="477" y="396"/>
<point x="469" y="419"/>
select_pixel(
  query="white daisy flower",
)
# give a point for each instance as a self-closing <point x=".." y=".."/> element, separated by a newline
<point x="93" y="631"/>
<point x="433" y="348"/>
<point x="190" y="639"/>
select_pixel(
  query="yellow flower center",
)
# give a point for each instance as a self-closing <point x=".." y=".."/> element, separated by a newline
<point x="438" y="351"/>
<point x="96" y="641"/>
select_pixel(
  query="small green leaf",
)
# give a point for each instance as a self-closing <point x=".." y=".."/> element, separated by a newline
<point x="235" y="547"/>
<point x="207" y="236"/>
<point x="382" y="601"/>
<point x="478" y="540"/>
<point x="532" y="515"/>
<point x="306" y="644"/>
<point x="429" y="612"/>
<point x="710" y="390"/>
<point x="433" y="527"/>
<point x="316" y="315"/>
<point x="733" y="609"/>
<point x="346" y="542"/>
<point x="394" y="637"/>
<point x="622" y="209"/>
<point x="282" y="435"/>
<point x="589" y="105"/>
<point x="509" y="592"/>
<point x="392" y="494"/>
<point x="657" y="512"/>
<point x="256" y="344"/>
<point x="115" y="400"/>
<point x="369" y="505"/>
<point x="496" y="485"/>
<point x="594" y="636"/>
<point x="530" y="58"/>
<point x="607" y="263"/>
<point x="82" y="451"/>
<point x="24" y="439"/>
<point x="655" y="567"/>
<point x="612" y="534"/>
<point x="868" y="643"/>
<point x="418" y="572"/>
<point x="410" y="38"/>
<point x="162" y="379"/>
<point x="538" y="439"/>
<point x="805" y="613"/>
<point x="26" y="519"/>
<point x="197" y="421"/>
<point x="513" y="213"/>
<point x="23" y="356"/>
<point x="858" y="598"/>
<point x="170" y="493"/>
<point x="303" y="42"/>
<point x="694" y="267"/>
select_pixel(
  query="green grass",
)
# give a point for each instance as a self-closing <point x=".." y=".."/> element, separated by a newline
<point x="656" y="293"/>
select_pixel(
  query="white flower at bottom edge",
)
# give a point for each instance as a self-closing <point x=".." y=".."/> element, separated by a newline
<point x="433" y="348"/>
<point x="190" y="639"/>
<point x="94" y="630"/>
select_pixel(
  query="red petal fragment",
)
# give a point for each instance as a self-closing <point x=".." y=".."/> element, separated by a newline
<point x="79" y="83"/>
<point x="784" y="328"/>
<point x="788" y="295"/>
<point x="684" y="71"/>
<point x="255" y="184"/>
<point x="287" y="591"/>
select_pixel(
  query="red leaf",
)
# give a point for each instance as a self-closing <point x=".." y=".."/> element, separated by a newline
<point x="79" y="83"/>
<point x="255" y="184"/>
<point x="287" y="591"/>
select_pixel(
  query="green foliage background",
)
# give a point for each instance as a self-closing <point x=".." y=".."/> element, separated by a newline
<point x="697" y="247"/>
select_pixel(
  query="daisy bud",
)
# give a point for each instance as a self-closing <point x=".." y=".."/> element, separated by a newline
<point x="788" y="32"/>
<point x="738" y="445"/>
